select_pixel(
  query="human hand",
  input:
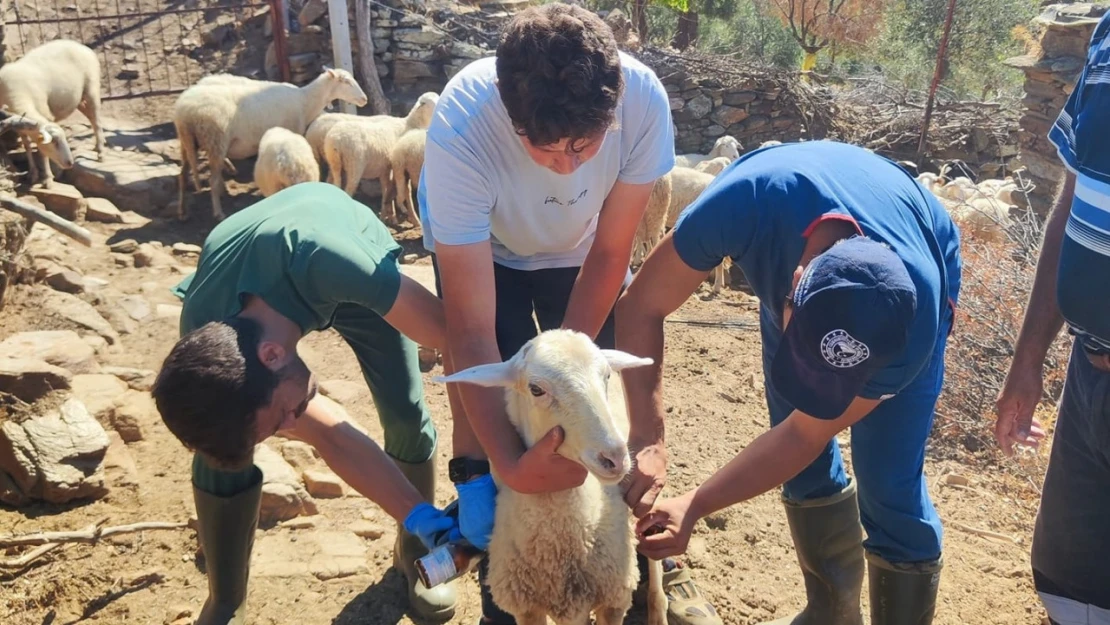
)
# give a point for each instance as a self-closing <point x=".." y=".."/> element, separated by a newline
<point x="431" y="525"/>
<point x="646" y="479"/>
<point x="477" y="503"/>
<point x="542" y="470"/>
<point x="1014" y="409"/>
<point x="665" y="531"/>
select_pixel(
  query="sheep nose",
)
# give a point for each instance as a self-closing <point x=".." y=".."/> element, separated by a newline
<point x="613" y="461"/>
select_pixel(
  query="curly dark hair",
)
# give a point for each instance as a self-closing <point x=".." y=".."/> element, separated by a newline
<point x="559" y="73"/>
<point x="209" y="388"/>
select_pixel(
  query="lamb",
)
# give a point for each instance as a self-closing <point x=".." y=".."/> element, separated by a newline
<point x="652" y="224"/>
<point x="982" y="218"/>
<point x="581" y="538"/>
<point x="361" y="148"/>
<point x="226" y="117"/>
<point x="714" y="165"/>
<point x="407" y="158"/>
<point x="727" y="146"/>
<point x="686" y="185"/>
<point x="284" y="159"/>
<point x="45" y="86"/>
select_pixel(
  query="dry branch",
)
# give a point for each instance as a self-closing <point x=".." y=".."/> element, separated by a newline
<point x="87" y="536"/>
<point x="60" y="224"/>
<point x="29" y="557"/>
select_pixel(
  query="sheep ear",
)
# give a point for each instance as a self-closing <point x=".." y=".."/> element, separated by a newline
<point x="46" y="138"/>
<point x="493" y="374"/>
<point x="619" y="360"/>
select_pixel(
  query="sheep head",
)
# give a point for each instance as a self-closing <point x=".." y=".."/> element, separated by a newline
<point x="560" y="378"/>
<point x="727" y="146"/>
<point x="420" y="116"/>
<point x="343" y="86"/>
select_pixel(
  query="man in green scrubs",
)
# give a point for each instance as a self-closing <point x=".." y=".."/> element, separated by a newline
<point x="307" y="258"/>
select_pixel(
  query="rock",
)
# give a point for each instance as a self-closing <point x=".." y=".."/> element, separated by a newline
<point x="405" y="70"/>
<point x="135" y="306"/>
<point x="325" y="555"/>
<point x="367" y="529"/>
<point x="119" y="465"/>
<point x="302" y="523"/>
<point x="98" y="392"/>
<point x="699" y="106"/>
<point x="96" y="342"/>
<point x="342" y="391"/>
<point x="102" y="210"/>
<point x="149" y="256"/>
<point x="61" y="348"/>
<point x="30" y="379"/>
<point x="300" y="455"/>
<point x="61" y="278"/>
<point x="422" y="36"/>
<point x="186" y="249"/>
<point x="409" y="259"/>
<point x="728" y="115"/>
<point x="168" y="311"/>
<point x="79" y="312"/>
<point x="132" y="180"/>
<point x="312" y="11"/>
<point x="136" y="379"/>
<point x="123" y="260"/>
<point x="323" y="484"/>
<point x="63" y="200"/>
<point x="10" y="493"/>
<point x="216" y="33"/>
<point x="739" y="98"/>
<point x="56" y="457"/>
<point x="427" y="357"/>
<point x="126" y="246"/>
<point x="94" y="284"/>
<point x="339" y="554"/>
<point x="283" y="496"/>
<point x="133" y="412"/>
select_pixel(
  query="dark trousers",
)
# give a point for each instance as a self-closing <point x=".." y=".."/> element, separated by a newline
<point x="546" y="293"/>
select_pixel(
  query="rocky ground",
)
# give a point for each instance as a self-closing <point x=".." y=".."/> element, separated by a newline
<point x="77" y="355"/>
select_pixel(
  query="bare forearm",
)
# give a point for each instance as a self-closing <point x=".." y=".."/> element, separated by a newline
<point x="485" y="412"/>
<point x="642" y="334"/>
<point x="464" y="443"/>
<point x="359" y="461"/>
<point x="769" y="461"/>
<point x="595" y="292"/>
<point x="1042" y="320"/>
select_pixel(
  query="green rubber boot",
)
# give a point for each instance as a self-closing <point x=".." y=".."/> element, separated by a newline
<point x="828" y="538"/>
<point x="902" y="594"/>
<point x="225" y="529"/>
<point x="437" y="603"/>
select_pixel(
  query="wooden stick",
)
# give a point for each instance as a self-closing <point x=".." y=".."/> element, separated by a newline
<point x="983" y="533"/>
<point x="87" y="536"/>
<point x="60" y="224"/>
<point x="30" y="556"/>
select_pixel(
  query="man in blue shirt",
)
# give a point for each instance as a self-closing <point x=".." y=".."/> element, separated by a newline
<point x="1070" y="539"/>
<point x="857" y="268"/>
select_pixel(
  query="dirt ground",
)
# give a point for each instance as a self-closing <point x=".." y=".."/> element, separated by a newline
<point x="742" y="558"/>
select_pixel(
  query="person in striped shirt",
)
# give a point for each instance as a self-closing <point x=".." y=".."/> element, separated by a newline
<point x="1071" y="539"/>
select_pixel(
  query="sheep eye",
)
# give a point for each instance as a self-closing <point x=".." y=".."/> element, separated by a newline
<point x="535" y="390"/>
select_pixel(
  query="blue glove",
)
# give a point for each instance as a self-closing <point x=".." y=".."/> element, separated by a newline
<point x="431" y="525"/>
<point x="477" y="503"/>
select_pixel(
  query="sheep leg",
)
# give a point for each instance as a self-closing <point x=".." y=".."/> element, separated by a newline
<point x="656" y="597"/>
<point x="353" y="172"/>
<point x="32" y="166"/>
<point x="230" y="167"/>
<point x="718" y="278"/>
<point x="613" y="616"/>
<point x="216" y="154"/>
<point x="413" y="186"/>
<point x="90" y="108"/>
<point x="388" y="196"/>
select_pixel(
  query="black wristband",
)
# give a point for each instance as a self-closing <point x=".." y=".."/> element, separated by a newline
<point x="461" y="470"/>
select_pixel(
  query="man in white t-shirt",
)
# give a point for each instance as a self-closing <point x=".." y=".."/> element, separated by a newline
<point x="538" y="167"/>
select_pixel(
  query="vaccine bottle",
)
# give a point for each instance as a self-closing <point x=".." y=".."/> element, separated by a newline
<point x="447" y="562"/>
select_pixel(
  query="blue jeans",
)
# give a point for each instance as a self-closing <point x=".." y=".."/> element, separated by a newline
<point x="888" y="454"/>
<point x="1071" y="539"/>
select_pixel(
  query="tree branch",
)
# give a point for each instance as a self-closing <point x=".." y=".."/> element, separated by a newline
<point x="87" y="536"/>
<point x="60" y="224"/>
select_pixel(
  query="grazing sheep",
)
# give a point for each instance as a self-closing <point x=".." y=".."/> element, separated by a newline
<point x="284" y="159"/>
<point x="361" y="148"/>
<point x="568" y="553"/>
<point x="407" y="158"/>
<point x="47" y="85"/>
<point x="653" y="223"/>
<point x="714" y="165"/>
<point x="226" y="117"/>
<point x="727" y="146"/>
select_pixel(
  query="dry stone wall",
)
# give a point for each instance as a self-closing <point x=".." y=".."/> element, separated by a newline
<point x="1050" y="76"/>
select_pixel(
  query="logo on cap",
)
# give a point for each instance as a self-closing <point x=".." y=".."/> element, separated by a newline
<point x="842" y="350"/>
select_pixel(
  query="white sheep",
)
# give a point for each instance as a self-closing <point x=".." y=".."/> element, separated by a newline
<point x="653" y="223"/>
<point x="407" y="158"/>
<point x="981" y="218"/>
<point x="568" y="553"/>
<point x="727" y="146"/>
<point x="227" y="117"/>
<point x="686" y="185"/>
<point x="47" y="85"/>
<point x="361" y="148"/>
<point x="284" y="159"/>
<point x="767" y="144"/>
<point x="714" y="165"/>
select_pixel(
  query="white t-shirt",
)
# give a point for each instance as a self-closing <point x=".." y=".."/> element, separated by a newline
<point x="478" y="181"/>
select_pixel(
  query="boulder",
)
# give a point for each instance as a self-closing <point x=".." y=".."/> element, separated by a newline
<point x="133" y="412"/>
<point x="56" y="457"/>
<point x="30" y="379"/>
<point x="61" y="348"/>
<point x="119" y="465"/>
<point x="283" y="496"/>
<point x="78" y="311"/>
<point x="323" y="484"/>
<point x="98" y="392"/>
<point x="136" y="307"/>
<point x="299" y="454"/>
<point x="137" y="379"/>
<point x="342" y="391"/>
<point x="150" y="256"/>
<point x="63" y="200"/>
<point x="102" y="210"/>
<point x="131" y="180"/>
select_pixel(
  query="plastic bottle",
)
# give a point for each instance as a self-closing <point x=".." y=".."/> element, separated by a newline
<point x="448" y="562"/>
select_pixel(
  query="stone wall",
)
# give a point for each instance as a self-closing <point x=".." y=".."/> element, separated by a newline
<point x="1050" y="76"/>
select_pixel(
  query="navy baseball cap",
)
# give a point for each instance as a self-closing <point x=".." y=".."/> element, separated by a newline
<point x="852" y="312"/>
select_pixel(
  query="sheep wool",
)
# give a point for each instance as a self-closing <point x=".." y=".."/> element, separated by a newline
<point x="284" y="159"/>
